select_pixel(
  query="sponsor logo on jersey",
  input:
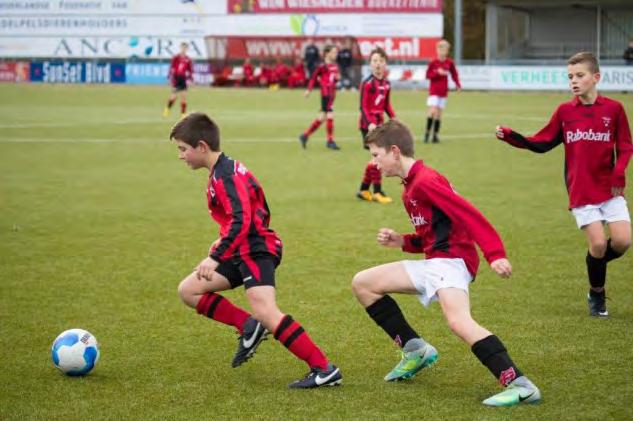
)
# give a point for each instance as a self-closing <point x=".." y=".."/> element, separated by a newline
<point x="590" y="135"/>
<point x="418" y="220"/>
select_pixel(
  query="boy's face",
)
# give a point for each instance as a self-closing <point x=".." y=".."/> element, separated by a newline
<point x="385" y="160"/>
<point x="331" y="55"/>
<point x="377" y="64"/>
<point x="581" y="79"/>
<point x="442" y="50"/>
<point x="194" y="157"/>
<point x="183" y="49"/>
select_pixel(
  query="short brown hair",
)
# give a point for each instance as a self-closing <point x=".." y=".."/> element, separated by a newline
<point x="392" y="133"/>
<point x="378" y="51"/>
<point x="585" y="57"/>
<point x="197" y="127"/>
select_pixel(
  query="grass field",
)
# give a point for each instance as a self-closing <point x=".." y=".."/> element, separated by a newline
<point x="99" y="222"/>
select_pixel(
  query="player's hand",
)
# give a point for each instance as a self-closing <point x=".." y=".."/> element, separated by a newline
<point x="306" y="94"/>
<point x="442" y="72"/>
<point x="617" y="191"/>
<point x="389" y="238"/>
<point x="502" y="267"/>
<point x="371" y="127"/>
<point x="501" y="132"/>
<point x="206" y="268"/>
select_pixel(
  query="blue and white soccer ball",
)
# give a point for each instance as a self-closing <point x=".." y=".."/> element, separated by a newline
<point x="75" y="352"/>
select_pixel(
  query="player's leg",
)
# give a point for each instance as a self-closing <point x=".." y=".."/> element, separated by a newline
<point x="372" y="288"/>
<point x="437" y="119"/>
<point x="201" y="294"/>
<point x="316" y="123"/>
<point x="331" y="144"/>
<point x="430" y="101"/>
<point x="596" y="268"/>
<point x="363" y="192"/>
<point x="183" y="101"/>
<point x="376" y="179"/>
<point x="261" y="295"/>
<point x="170" y="102"/>
<point x="487" y="348"/>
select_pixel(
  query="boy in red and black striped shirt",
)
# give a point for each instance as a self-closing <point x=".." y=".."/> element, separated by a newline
<point x="595" y="132"/>
<point x="180" y="74"/>
<point x="247" y="253"/>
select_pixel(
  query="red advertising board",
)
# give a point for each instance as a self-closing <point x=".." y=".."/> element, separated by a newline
<point x="239" y="48"/>
<point x="334" y="6"/>
<point x="14" y="71"/>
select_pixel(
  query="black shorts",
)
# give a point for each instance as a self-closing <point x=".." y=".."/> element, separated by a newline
<point x="179" y="83"/>
<point x="326" y="103"/>
<point x="250" y="271"/>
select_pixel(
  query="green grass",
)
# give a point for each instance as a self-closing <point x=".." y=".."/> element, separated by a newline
<point x="99" y="222"/>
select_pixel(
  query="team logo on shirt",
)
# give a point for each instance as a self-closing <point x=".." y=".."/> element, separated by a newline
<point x="606" y="121"/>
<point x="211" y="191"/>
<point x="413" y="202"/>
<point x="418" y="220"/>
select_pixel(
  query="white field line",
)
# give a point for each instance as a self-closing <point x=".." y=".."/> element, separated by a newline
<point x="132" y="140"/>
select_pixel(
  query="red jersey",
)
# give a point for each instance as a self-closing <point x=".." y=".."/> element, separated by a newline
<point x="446" y="225"/>
<point x="438" y="84"/>
<point x="181" y="66"/>
<point x="328" y="75"/>
<point x="237" y="203"/>
<point x="375" y="99"/>
<point x="594" y="136"/>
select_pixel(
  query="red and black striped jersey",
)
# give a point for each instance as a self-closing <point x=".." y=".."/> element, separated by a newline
<point x="446" y="224"/>
<point x="237" y="203"/>
<point x="327" y="75"/>
<point x="438" y="84"/>
<point x="598" y="147"/>
<point x="375" y="99"/>
<point x="181" y="66"/>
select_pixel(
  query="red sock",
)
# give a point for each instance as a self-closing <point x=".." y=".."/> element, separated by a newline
<point x="376" y="176"/>
<point x="183" y="107"/>
<point x="170" y="103"/>
<point x="329" y="126"/>
<point x="220" y="309"/>
<point x="293" y="337"/>
<point x="369" y="173"/>
<point x="315" y="125"/>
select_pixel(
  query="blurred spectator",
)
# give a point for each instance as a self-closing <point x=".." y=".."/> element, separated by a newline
<point x="248" y="73"/>
<point x="282" y="72"/>
<point x="297" y="75"/>
<point x="265" y="77"/>
<point x="628" y="53"/>
<point x="345" y="60"/>
<point x="311" y="57"/>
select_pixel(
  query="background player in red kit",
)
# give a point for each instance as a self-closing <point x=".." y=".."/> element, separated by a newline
<point x="247" y="253"/>
<point x="594" y="130"/>
<point x="375" y="100"/>
<point x="446" y="230"/>
<point x="180" y="72"/>
<point x="437" y="72"/>
<point x="327" y="75"/>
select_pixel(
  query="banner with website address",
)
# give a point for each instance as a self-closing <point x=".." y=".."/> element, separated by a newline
<point x="334" y="6"/>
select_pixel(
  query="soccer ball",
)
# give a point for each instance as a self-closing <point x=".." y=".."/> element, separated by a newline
<point x="75" y="352"/>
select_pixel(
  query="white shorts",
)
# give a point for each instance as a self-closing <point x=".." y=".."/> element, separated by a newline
<point x="610" y="211"/>
<point x="436" y="101"/>
<point x="432" y="274"/>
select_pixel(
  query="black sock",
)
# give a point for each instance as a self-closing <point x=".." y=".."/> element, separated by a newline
<point x="436" y="128"/>
<point x="429" y="123"/>
<point x="491" y="352"/>
<point x="377" y="188"/>
<point x="611" y="254"/>
<point x="364" y="186"/>
<point x="386" y="313"/>
<point x="596" y="270"/>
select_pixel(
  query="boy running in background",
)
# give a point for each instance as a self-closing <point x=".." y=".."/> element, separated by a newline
<point x="594" y="130"/>
<point x="437" y="72"/>
<point x="328" y="75"/>
<point x="180" y="72"/>
<point x="375" y="100"/>
<point x="246" y="253"/>
<point x="446" y="230"/>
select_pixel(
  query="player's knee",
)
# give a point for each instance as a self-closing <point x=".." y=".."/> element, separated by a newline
<point x="185" y="293"/>
<point x="598" y="247"/>
<point x="621" y="244"/>
<point x="360" y="283"/>
<point x="459" y="325"/>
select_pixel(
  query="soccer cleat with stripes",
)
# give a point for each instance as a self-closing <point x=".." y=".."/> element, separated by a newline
<point x="521" y="390"/>
<point x="381" y="198"/>
<point x="597" y="302"/>
<point x="318" y="378"/>
<point x="412" y="362"/>
<point x="254" y="333"/>
<point x="365" y="195"/>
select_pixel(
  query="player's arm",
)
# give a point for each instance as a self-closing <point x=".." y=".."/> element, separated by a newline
<point x="233" y="195"/>
<point x="388" y="107"/>
<point x="546" y="139"/>
<point x="313" y="80"/>
<point x="172" y="65"/>
<point x="431" y="72"/>
<point x="190" y="71"/>
<point x="481" y="231"/>
<point x="623" y="150"/>
<point x="455" y="76"/>
<point x="365" y="103"/>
